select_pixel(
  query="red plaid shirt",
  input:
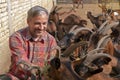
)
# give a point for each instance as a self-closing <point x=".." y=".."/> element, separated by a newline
<point x="23" y="47"/>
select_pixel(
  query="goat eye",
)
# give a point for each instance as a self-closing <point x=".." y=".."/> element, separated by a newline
<point x="92" y="65"/>
<point x="49" y="70"/>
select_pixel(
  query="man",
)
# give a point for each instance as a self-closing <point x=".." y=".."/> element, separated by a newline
<point x="33" y="44"/>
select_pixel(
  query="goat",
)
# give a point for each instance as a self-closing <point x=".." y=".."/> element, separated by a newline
<point x="101" y="39"/>
<point x="74" y="36"/>
<point x="53" y="23"/>
<point x="67" y="69"/>
<point x="54" y="19"/>
<point x="97" y="21"/>
<point x="109" y="12"/>
<point x="93" y="69"/>
<point x="63" y="72"/>
<point x="71" y="43"/>
<point x="57" y="28"/>
<point x="55" y="15"/>
<point x="78" y="2"/>
<point x="73" y="19"/>
<point x="96" y="36"/>
<point x="104" y="8"/>
<point x="62" y="28"/>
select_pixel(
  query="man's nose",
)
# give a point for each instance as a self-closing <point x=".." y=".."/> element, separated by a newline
<point x="41" y="27"/>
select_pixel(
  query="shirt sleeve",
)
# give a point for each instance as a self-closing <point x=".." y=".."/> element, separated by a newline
<point x="17" y="49"/>
<point x="53" y="48"/>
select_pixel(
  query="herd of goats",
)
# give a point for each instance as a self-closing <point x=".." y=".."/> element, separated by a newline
<point x="84" y="53"/>
<point x="87" y="54"/>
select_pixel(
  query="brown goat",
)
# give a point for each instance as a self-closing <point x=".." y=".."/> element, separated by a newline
<point x="62" y="28"/>
<point x="97" y="40"/>
<point x="104" y="8"/>
<point x="109" y="12"/>
<point x="100" y="37"/>
<point x="66" y="70"/>
<point x="107" y="69"/>
<point x="97" y="21"/>
<point x="78" y="2"/>
<point x="73" y="19"/>
<point x="102" y="75"/>
<point x="63" y="73"/>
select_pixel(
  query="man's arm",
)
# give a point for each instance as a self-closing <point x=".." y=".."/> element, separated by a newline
<point x="17" y="49"/>
<point x="54" y="49"/>
<point x="18" y="54"/>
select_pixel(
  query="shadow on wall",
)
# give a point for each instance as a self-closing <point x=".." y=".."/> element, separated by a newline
<point x="4" y="58"/>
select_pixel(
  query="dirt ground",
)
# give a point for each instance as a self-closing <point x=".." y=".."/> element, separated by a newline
<point x="81" y="12"/>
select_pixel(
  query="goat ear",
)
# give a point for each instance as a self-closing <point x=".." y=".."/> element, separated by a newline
<point x="53" y="9"/>
<point x="58" y="9"/>
<point x="55" y="62"/>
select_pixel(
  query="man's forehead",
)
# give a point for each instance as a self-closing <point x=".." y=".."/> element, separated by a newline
<point x="43" y="13"/>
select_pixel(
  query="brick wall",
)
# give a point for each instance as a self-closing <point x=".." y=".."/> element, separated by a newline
<point x="87" y="1"/>
<point x="12" y="18"/>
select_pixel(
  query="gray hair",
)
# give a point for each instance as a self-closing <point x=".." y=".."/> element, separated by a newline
<point x="35" y="11"/>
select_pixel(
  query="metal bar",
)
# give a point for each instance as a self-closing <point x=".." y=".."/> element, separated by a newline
<point x="9" y="17"/>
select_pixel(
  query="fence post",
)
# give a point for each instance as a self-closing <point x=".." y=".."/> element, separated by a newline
<point x="9" y="17"/>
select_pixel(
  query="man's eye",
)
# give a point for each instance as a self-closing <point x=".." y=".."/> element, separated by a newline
<point x="44" y="23"/>
<point x="37" y="23"/>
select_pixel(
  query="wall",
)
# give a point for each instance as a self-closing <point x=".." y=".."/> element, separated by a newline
<point x="12" y="18"/>
<point x="87" y="1"/>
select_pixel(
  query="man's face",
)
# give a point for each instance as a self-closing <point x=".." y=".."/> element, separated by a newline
<point x="37" y="25"/>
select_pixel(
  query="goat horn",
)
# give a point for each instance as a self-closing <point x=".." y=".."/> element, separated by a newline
<point x="53" y="9"/>
<point x="80" y="29"/>
<point x="72" y="47"/>
<point x="58" y="52"/>
<point x="95" y="50"/>
<point x="103" y="41"/>
<point x="73" y="28"/>
<point x="53" y="55"/>
<point x="102" y="26"/>
<point x="58" y="9"/>
<point x="104" y="30"/>
<point x="92" y="57"/>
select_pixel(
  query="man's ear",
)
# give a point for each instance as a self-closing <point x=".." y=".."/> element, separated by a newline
<point x="28" y="21"/>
